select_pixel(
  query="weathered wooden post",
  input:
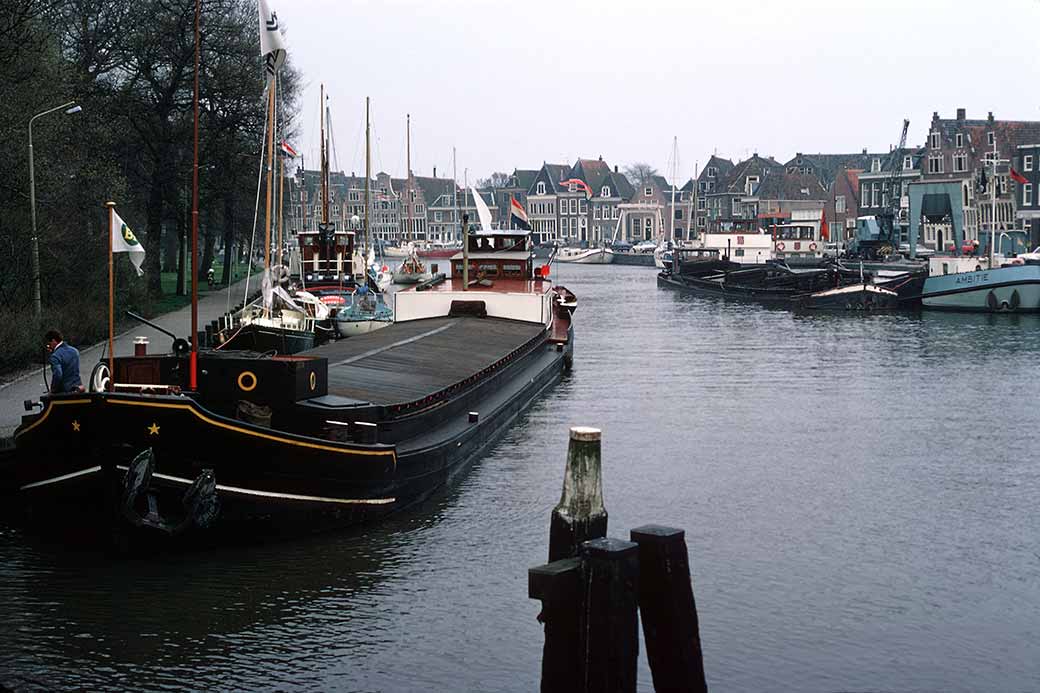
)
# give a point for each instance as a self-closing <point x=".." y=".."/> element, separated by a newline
<point x="580" y="515"/>
<point x="668" y="609"/>
<point x="610" y="622"/>
<point x="558" y="585"/>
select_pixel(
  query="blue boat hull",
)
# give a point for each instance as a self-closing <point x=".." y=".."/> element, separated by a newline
<point x="1014" y="289"/>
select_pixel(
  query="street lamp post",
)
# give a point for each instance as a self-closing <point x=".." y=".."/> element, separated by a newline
<point x="69" y="107"/>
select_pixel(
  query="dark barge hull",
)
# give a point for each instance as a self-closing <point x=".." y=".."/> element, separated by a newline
<point x="309" y="470"/>
<point x="850" y="298"/>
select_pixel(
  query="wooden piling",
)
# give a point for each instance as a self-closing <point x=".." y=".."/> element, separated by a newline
<point x="558" y="585"/>
<point x="669" y="611"/>
<point x="610" y="622"/>
<point x="580" y="515"/>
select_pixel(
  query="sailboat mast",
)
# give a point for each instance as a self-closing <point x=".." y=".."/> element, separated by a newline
<point x="281" y="201"/>
<point x="324" y="162"/>
<point x="193" y="364"/>
<point x="271" y="88"/>
<point x="408" y="182"/>
<point x="993" y="208"/>
<point x="689" y="207"/>
<point x="368" y="174"/>
<point x="454" y="190"/>
<point x="675" y="163"/>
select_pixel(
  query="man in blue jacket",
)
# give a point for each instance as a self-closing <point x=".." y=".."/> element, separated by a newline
<point x="64" y="362"/>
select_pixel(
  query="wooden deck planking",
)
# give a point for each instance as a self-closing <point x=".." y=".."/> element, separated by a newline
<point x="408" y="361"/>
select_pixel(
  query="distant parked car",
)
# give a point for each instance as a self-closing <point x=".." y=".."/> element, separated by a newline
<point x="621" y="246"/>
<point x="644" y="247"/>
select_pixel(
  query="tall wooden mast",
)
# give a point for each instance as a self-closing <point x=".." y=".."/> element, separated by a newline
<point x="408" y="183"/>
<point x="368" y="176"/>
<point x="193" y="361"/>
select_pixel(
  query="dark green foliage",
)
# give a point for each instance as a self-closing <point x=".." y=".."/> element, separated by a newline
<point x="129" y="63"/>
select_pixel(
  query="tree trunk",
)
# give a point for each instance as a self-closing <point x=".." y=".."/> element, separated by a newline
<point x="153" y="240"/>
<point x="229" y="235"/>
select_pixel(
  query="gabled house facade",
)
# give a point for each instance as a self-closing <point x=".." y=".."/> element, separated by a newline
<point x="711" y="179"/>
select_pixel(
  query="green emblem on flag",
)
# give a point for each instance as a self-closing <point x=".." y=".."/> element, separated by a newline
<point x="129" y="236"/>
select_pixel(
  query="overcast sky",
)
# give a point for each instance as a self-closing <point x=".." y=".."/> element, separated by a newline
<point x="513" y="84"/>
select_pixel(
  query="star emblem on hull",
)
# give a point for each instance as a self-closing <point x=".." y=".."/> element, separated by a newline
<point x="153" y="430"/>
<point x="75" y="425"/>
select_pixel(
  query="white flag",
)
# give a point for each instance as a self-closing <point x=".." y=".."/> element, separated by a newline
<point x="124" y="241"/>
<point x="483" y="213"/>
<point x="272" y="47"/>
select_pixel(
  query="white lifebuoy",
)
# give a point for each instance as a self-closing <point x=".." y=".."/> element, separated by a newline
<point x="812" y="247"/>
<point x="780" y="246"/>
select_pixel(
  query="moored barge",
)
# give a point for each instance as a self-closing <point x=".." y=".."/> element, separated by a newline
<point x="342" y="433"/>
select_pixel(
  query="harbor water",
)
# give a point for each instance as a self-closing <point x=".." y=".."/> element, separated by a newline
<point x="860" y="496"/>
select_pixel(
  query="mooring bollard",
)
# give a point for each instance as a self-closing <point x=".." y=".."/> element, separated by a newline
<point x="558" y="586"/>
<point x="580" y="515"/>
<point x="668" y="609"/>
<point x="610" y="624"/>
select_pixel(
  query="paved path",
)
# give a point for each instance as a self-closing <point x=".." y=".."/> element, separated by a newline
<point x="31" y="386"/>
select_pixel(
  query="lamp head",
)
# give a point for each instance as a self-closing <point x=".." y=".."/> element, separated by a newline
<point x="73" y="109"/>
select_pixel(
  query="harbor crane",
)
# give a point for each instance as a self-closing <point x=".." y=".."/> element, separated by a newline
<point x="878" y="236"/>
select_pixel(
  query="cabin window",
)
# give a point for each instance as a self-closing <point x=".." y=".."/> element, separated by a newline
<point x="739" y="252"/>
<point x="512" y="270"/>
<point x="488" y="270"/>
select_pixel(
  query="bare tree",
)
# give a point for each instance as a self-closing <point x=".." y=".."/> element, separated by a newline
<point x="497" y="180"/>
<point x="639" y="173"/>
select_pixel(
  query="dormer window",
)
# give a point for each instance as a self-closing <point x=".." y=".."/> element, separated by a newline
<point x="572" y="187"/>
<point x="908" y="163"/>
<point x="604" y="191"/>
<point x="959" y="140"/>
<point x="648" y="191"/>
<point x="713" y="171"/>
<point x="875" y="165"/>
<point x="750" y="185"/>
<point x="934" y="140"/>
<point x="541" y="188"/>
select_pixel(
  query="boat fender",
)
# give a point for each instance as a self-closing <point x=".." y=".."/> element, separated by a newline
<point x="780" y="246"/>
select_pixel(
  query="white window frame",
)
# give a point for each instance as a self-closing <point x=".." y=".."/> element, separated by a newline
<point x="1027" y="194"/>
<point x="749" y="184"/>
<point x="604" y="191"/>
<point x="960" y="163"/>
<point x="875" y="165"/>
<point x="990" y="139"/>
<point x="648" y="191"/>
<point x="574" y="205"/>
<point x="839" y="204"/>
<point x="934" y="140"/>
<point x="908" y="163"/>
<point x="864" y="195"/>
<point x="1027" y="162"/>
<point x="713" y="171"/>
<point x="541" y="188"/>
<point x="959" y="138"/>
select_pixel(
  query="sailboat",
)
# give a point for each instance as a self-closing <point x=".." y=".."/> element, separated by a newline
<point x="287" y="319"/>
<point x="367" y="310"/>
<point x="412" y="270"/>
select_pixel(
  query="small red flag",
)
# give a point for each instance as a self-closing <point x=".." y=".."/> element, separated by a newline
<point x="824" y="232"/>
<point x="1018" y="177"/>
